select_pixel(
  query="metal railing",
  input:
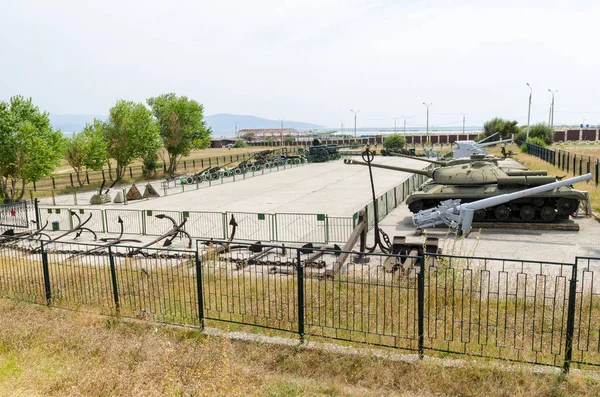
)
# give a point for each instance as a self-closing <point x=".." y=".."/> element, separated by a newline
<point x="535" y="312"/>
<point x="574" y="163"/>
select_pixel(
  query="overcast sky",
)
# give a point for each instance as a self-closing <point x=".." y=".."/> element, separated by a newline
<point x="309" y="60"/>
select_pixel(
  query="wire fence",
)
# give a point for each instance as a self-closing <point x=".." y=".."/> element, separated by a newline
<point x="572" y="163"/>
<point x="537" y="312"/>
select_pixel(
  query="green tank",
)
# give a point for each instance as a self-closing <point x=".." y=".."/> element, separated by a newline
<point x="482" y="179"/>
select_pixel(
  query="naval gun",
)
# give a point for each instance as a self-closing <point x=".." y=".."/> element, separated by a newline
<point x="457" y="215"/>
<point x="479" y="180"/>
<point x="468" y="148"/>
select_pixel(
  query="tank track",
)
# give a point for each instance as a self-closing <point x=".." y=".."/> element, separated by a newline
<point x="535" y="210"/>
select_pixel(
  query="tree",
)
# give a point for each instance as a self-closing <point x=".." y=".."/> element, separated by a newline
<point x="239" y="144"/>
<point x="29" y="148"/>
<point x="541" y="131"/>
<point x="248" y="137"/>
<point x="130" y="133"/>
<point x="394" y="141"/>
<point x="87" y="149"/>
<point x="506" y="128"/>
<point x="288" y="140"/>
<point x="181" y="124"/>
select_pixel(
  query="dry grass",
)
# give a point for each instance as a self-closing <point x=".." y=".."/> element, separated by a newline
<point x="53" y="352"/>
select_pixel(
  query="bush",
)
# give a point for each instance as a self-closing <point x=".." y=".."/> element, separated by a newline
<point x="288" y="139"/>
<point x="506" y="128"/>
<point x="394" y="141"/>
<point x="533" y="141"/>
<point x="239" y="144"/>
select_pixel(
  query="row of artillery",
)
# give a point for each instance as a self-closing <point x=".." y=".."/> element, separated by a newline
<point x="258" y="161"/>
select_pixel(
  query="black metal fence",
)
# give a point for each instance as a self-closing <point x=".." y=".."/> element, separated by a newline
<point x="536" y="312"/>
<point x="574" y="163"/>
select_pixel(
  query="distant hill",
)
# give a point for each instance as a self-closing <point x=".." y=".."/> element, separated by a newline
<point x="223" y="124"/>
<point x="69" y="123"/>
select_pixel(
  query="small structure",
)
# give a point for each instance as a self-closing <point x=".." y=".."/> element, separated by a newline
<point x="150" y="192"/>
<point x="134" y="193"/>
<point x="119" y="198"/>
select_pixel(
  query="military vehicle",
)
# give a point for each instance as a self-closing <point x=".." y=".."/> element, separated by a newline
<point x="478" y="157"/>
<point x="482" y="179"/>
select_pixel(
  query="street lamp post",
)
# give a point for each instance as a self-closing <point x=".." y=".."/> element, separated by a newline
<point x="236" y="130"/>
<point x="464" y="117"/>
<point x="341" y="127"/>
<point x="355" y="113"/>
<point x="427" y="106"/>
<point x="281" y="133"/>
<point x="529" y="110"/>
<point x="404" y="125"/>
<point x="395" y="118"/>
<point x="552" y="108"/>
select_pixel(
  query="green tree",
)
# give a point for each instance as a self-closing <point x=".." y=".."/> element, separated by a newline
<point x="181" y="124"/>
<point x="130" y="133"/>
<point x="394" y="141"/>
<point x="87" y="150"/>
<point x="248" y="137"/>
<point x="288" y="139"/>
<point x="506" y="128"/>
<point x="239" y="144"/>
<point x="541" y="131"/>
<point x="29" y="148"/>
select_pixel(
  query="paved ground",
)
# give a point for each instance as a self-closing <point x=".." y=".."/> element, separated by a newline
<point x="332" y="188"/>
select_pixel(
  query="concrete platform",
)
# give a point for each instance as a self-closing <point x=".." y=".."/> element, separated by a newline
<point x="332" y="188"/>
<point x="546" y="245"/>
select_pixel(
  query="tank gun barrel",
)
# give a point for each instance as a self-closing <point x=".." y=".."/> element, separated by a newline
<point x="391" y="167"/>
<point x="457" y="215"/>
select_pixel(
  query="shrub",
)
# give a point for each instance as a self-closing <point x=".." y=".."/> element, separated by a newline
<point x="533" y="141"/>
<point x="394" y="141"/>
<point x="239" y="144"/>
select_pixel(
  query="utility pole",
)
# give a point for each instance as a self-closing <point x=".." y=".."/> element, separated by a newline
<point x="236" y="131"/>
<point x="529" y="110"/>
<point x="404" y="125"/>
<point x="427" y="106"/>
<point x="395" y="118"/>
<point x="552" y="108"/>
<point x="355" y="113"/>
<point x="341" y="127"/>
<point x="464" y="123"/>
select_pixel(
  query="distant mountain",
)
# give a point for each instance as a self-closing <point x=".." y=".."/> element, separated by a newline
<point x="223" y="124"/>
<point x="69" y="123"/>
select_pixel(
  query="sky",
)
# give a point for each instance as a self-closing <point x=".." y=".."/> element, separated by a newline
<point x="310" y="60"/>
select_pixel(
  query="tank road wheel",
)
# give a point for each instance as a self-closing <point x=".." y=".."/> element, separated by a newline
<point x="547" y="213"/>
<point x="567" y="206"/>
<point x="527" y="213"/>
<point x="415" y="206"/>
<point x="502" y="212"/>
<point x="539" y="201"/>
<point x="479" y="215"/>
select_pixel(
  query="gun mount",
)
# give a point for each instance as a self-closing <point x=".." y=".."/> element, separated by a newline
<point x="468" y="148"/>
<point x="460" y="216"/>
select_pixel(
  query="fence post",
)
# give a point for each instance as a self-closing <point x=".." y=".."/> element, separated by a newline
<point x="113" y="277"/>
<point x="300" y="272"/>
<point x="421" y="306"/>
<point x="570" y="319"/>
<point x="36" y="207"/>
<point x="46" y="271"/>
<point x="597" y="171"/>
<point x="199" y="290"/>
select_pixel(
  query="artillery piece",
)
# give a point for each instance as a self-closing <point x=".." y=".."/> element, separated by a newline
<point x="480" y="179"/>
<point x="460" y="216"/>
<point x="469" y="148"/>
